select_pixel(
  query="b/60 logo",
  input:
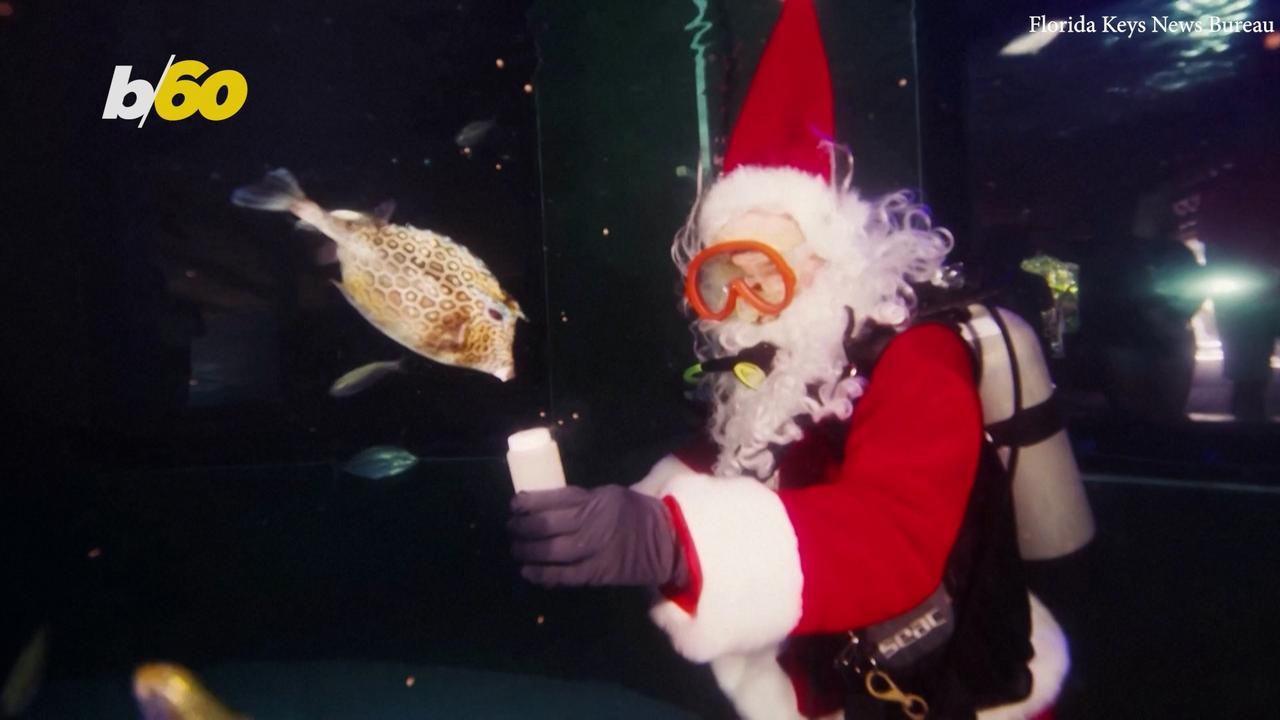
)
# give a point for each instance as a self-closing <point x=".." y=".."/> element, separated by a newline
<point x="178" y="94"/>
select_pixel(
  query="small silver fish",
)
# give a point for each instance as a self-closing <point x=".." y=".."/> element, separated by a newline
<point x="419" y="288"/>
<point x="364" y="377"/>
<point x="24" y="679"/>
<point x="381" y="461"/>
<point x="170" y="692"/>
<point x="473" y="133"/>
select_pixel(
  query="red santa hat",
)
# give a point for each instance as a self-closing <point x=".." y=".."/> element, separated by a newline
<point x="779" y="155"/>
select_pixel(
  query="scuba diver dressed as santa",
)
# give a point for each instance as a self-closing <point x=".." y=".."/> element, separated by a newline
<point x="849" y="540"/>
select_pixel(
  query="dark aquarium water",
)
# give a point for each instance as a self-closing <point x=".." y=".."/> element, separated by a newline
<point x="232" y="451"/>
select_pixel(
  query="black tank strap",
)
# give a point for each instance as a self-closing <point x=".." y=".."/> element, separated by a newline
<point x="864" y="351"/>
<point x="1016" y="372"/>
<point x="1028" y="426"/>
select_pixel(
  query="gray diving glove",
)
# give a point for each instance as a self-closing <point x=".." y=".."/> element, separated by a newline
<point x="608" y="535"/>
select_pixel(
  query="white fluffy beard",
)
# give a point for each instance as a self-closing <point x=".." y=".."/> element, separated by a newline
<point x="871" y="251"/>
<point x="809" y="336"/>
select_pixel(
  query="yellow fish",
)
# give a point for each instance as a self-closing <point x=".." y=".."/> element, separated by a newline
<point x="171" y="692"/>
<point x="25" y="677"/>
<point x="419" y="288"/>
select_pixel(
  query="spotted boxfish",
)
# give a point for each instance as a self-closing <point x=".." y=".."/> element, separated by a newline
<point x="419" y="288"/>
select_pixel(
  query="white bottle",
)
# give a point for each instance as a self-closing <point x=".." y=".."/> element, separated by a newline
<point x="534" y="460"/>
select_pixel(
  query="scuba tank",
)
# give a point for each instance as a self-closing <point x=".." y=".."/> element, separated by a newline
<point x="1021" y="414"/>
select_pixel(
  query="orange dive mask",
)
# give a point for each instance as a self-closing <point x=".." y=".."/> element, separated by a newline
<point x="746" y="269"/>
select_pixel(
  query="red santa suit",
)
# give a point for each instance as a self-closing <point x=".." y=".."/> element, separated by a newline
<point x="845" y="539"/>
<point x="839" y="545"/>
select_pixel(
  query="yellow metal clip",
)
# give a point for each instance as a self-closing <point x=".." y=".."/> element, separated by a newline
<point x="882" y="687"/>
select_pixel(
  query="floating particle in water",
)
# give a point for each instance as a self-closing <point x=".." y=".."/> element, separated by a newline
<point x="564" y="318"/>
<point x="500" y="63"/>
<point x="560" y="422"/>
<point x="1270" y="42"/>
<point x="528" y="88"/>
<point x="540" y="619"/>
<point x="542" y="413"/>
<point x="426" y="162"/>
<point x="575" y="416"/>
<point x="95" y="553"/>
<point x="605" y="232"/>
<point x="497" y="166"/>
<point x="395" y="161"/>
<point x="902" y="82"/>
<point x="190" y="273"/>
<point x="466" y="152"/>
<point x="192" y="382"/>
<point x="409" y="681"/>
<point x="682" y="171"/>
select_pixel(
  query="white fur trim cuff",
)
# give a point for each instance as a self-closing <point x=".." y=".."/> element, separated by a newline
<point x="751" y="578"/>
<point x="665" y="469"/>
<point x="757" y="685"/>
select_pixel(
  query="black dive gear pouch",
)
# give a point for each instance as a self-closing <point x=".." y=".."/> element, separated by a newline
<point x="877" y="658"/>
<point x="899" y="642"/>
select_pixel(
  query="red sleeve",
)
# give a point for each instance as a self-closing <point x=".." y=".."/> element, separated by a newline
<point x="873" y="542"/>
<point x="687" y="596"/>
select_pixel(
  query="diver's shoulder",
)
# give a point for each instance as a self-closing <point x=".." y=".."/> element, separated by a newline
<point x="929" y="343"/>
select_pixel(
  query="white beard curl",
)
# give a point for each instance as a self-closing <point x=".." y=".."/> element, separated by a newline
<point x="871" y="251"/>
